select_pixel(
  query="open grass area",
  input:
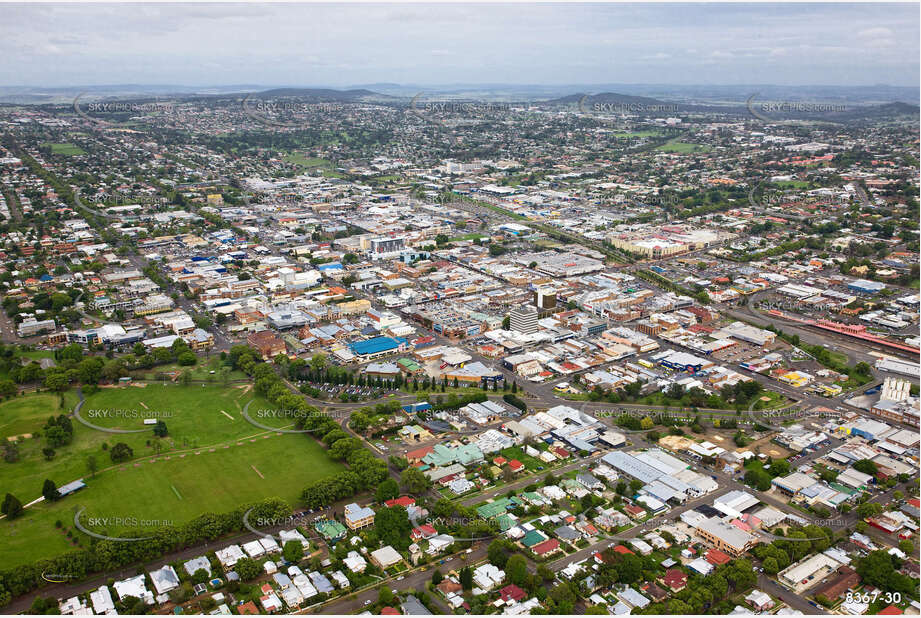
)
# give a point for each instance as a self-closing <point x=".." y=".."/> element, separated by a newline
<point x="169" y="491"/>
<point x="791" y="184"/>
<point x="201" y="371"/>
<point x="213" y="460"/>
<point x="646" y="133"/>
<point x="27" y="414"/>
<point x="66" y="149"/>
<point x="297" y="158"/>
<point x="682" y="147"/>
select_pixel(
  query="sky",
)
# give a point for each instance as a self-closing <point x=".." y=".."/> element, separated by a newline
<point x="338" y="45"/>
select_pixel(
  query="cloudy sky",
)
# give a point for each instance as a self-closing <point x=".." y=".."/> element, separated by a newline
<point x="345" y="44"/>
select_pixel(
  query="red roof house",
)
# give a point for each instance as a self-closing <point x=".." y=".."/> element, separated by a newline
<point x="547" y="547"/>
<point x="675" y="580"/>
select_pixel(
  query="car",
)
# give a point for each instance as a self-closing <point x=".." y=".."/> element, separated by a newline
<point x="401" y="578"/>
<point x="367" y="602"/>
<point x="394" y="591"/>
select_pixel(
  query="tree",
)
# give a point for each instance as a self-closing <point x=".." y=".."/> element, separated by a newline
<point x="247" y="569"/>
<point x="11" y="506"/>
<point x="770" y="565"/>
<point x="187" y="359"/>
<point x="160" y="429"/>
<point x="866" y="466"/>
<point x="387" y="490"/>
<point x="646" y="423"/>
<point x="293" y="551"/>
<point x="50" y="491"/>
<point x="506" y="323"/>
<point x="384" y="596"/>
<point x="869" y="509"/>
<point x="49" y="453"/>
<point x="121" y="452"/>
<point x="437" y="577"/>
<point x="414" y="481"/>
<point x="496" y="553"/>
<point x="318" y="362"/>
<point x="516" y="569"/>
<point x="92" y="465"/>
<point x="393" y="527"/>
<point x="466" y="578"/>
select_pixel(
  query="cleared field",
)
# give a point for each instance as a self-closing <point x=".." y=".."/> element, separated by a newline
<point x="213" y="459"/>
<point x="169" y="491"/>
<point x="27" y="414"/>
<point x="682" y="147"/>
<point x="637" y="134"/>
<point x="66" y="149"/>
<point x="300" y="160"/>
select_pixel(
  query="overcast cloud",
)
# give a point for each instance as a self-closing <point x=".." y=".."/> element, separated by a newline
<point x="339" y="45"/>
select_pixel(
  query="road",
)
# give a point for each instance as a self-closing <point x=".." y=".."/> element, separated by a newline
<point x="417" y="578"/>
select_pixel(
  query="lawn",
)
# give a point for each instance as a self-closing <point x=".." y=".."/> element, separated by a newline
<point x="66" y="149"/>
<point x="27" y="414"/>
<point x="682" y="147"/>
<point x="630" y="134"/>
<point x="297" y="158"/>
<point x="791" y="184"/>
<point x="209" y="450"/>
<point x="201" y="371"/>
<point x="169" y="491"/>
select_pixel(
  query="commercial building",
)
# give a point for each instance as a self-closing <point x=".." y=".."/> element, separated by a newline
<point x="31" y="326"/>
<point x="726" y="537"/>
<point x="523" y="320"/>
<point x="358" y="516"/>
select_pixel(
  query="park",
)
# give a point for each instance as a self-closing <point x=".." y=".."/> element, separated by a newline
<point x="209" y="459"/>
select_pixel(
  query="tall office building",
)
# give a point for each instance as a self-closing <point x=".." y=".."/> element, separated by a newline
<point x="544" y="298"/>
<point x="524" y="319"/>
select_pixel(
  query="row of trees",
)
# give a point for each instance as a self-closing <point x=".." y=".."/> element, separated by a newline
<point x="104" y="555"/>
<point x="364" y="471"/>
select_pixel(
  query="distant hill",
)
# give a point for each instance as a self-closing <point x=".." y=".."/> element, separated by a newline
<point x="323" y="94"/>
<point x="605" y="97"/>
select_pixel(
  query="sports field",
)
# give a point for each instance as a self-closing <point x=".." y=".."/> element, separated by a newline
<point x="66" y="149"/>
<point x="682" y="147"/>
<point x="212" y="461"/>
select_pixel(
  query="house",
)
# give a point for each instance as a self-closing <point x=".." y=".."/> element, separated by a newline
<point x="488" y="576"/>
<point x="425" y="531"/>
<point x="354" y="562"/>
<point x="164" y="579"/>
<point x="635" y="512"/>
<point x="413" y="607"/>
<point x="836" y="586"/>
<point x="675" y="580"/>
<point x="590" y="482"/>
<point x="547" y="547"/>
<point x="716" y="557"/>
<point x="271" y="603"/>
<point x="512" y="593"/>
<point x="133" y="587"/>
<point x="195" y="564"/>
<point x="759" y="601"/>
<point x="385" y="557"/>
<point x="101" y="600"/>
